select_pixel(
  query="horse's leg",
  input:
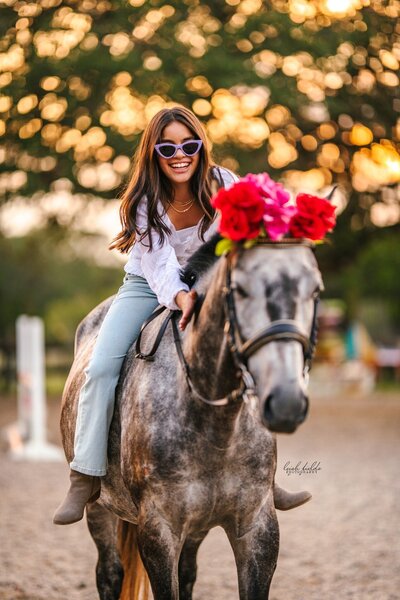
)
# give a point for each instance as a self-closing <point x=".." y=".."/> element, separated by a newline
<point x="159" y="549"/>
<point x="256" y="555"/>
<point x="188" y="565"/>
<point x="109" y="572"/>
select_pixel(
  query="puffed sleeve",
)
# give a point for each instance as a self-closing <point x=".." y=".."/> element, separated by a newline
<point x="160" y="266"/>
<point x="227" y="176"/>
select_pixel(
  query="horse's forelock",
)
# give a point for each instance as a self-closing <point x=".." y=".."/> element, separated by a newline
<point x="201" y="261"/>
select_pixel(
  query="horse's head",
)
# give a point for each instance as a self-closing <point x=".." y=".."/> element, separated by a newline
<point x="275" y="286"/>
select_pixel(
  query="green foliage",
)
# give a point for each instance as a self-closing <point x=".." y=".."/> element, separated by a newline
<point x="376" y="274"/>
<point x="40" y="276"/>
<point x="370" y="283"/>
<point x="379" y="269"/>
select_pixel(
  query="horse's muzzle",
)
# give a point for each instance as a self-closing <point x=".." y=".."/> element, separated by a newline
<point x="285" y="409"/>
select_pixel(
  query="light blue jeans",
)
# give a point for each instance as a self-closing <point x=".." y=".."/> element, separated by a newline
<point x="133" y="304"/>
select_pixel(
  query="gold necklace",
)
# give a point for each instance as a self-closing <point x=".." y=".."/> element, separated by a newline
<point x="183" y="203"/>
<point x="181" y="211"/>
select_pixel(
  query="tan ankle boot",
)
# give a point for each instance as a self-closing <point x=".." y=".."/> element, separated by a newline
<point x="285" y="500"/>
<point x="83" y="489"/>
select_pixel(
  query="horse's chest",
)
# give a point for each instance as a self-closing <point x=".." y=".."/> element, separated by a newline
<point x="203" y="503"/>
<point x="209" y="489"/>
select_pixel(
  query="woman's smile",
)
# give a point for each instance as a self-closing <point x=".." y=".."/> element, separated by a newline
<point x="180" y="166"/>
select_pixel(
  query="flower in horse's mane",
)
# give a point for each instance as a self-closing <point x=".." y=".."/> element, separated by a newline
<point x="277" y="211"/>
<point x="313" y="219"/>
<point x="257" y="206"/>
<point x="241" y="209"/>
<point x="269" y="188"/>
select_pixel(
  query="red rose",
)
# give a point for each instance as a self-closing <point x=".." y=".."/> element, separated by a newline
<point x="314" y="217"/>
<point x="242" y="210"/>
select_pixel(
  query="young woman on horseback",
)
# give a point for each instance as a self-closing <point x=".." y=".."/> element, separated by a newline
<point x="166" y="214"/>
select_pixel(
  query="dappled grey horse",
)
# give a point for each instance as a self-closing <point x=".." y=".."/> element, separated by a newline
<point x="191" y="444"/>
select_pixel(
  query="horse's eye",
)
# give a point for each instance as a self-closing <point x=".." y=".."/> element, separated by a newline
<point x="241" y="291"/>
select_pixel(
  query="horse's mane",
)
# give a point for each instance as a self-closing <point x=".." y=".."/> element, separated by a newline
<point x="200" y="261"/>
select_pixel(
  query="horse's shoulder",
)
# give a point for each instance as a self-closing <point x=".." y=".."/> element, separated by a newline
<point x="91" y="323"/>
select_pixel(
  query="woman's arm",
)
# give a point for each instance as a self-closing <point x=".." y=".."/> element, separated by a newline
<point x="162" y="270"/>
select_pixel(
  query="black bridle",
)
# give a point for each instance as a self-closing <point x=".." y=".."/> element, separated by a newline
<point x="242" y="349"/>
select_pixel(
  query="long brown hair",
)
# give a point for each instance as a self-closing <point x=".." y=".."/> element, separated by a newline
<point x="148" y="180"/>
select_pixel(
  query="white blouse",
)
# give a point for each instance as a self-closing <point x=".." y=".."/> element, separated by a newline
<point x="162" y="266"/>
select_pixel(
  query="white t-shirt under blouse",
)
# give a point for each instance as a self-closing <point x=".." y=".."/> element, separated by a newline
<point x="161" y="266"/>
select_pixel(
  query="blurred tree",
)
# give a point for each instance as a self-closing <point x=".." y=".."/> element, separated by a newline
<point x="307" y="89"/>
<point x="39" y="273"/>
<point x="370" y="281"/>
<point x="375" y="274"/>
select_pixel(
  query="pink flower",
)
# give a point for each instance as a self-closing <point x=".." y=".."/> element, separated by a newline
<point x="277" y="213"/>
<point x="277" y="219"/>
<point x="270" y="189"/>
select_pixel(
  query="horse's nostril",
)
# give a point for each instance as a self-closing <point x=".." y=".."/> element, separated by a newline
<point x="304" y="411"/>
<point x="268" y="416"/>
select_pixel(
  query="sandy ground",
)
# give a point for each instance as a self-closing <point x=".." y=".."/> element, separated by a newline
<point x="343" y="544"/>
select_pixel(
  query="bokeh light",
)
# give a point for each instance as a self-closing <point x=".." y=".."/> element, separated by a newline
<point x="302" y="108"/>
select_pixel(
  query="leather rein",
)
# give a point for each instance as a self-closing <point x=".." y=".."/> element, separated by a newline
<point x="241" y="349"/>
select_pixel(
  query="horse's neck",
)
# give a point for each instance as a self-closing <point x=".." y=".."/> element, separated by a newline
<point x="211" y="365"/>
<point x="206" y="347"/>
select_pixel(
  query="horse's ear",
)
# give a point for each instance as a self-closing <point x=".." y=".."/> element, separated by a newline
<point x="217" y="181"/>
<point x="330" y="195"/>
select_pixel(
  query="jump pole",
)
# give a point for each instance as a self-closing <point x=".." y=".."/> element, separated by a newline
<point x="30" y="443"/>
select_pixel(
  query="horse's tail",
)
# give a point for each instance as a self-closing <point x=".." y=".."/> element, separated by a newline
<point x="136" y="585"/>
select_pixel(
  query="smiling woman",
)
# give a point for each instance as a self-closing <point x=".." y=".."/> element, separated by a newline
<point x="166" y="214"/>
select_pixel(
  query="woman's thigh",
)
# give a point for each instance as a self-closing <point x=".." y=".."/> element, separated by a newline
<point x="132" y="305"/>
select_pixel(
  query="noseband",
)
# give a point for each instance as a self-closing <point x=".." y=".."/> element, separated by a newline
<point x="242" y="349"/>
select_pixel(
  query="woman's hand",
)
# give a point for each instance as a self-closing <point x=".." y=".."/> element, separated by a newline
<point x="186" y="302"/>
